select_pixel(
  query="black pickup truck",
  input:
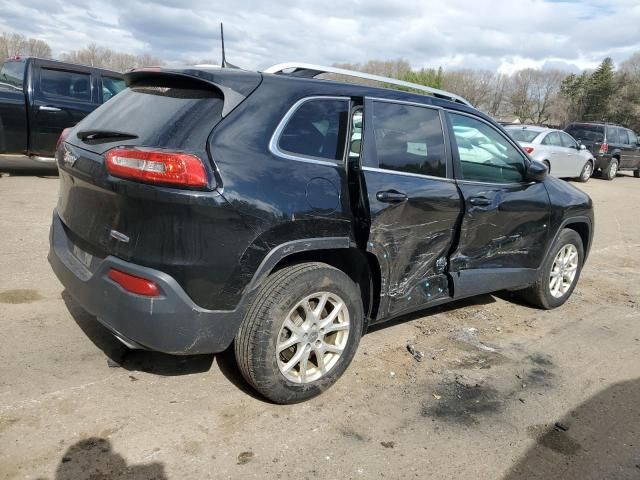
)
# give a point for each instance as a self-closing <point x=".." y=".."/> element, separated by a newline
<point x="39" y="98"/>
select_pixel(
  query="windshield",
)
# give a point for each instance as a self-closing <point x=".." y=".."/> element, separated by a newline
<point x="588" y="133"/>
<point x="12" y="72"/>
<point x="522" y="135"/>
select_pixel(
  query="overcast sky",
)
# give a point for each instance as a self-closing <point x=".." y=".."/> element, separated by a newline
<point x="493" y="34"/>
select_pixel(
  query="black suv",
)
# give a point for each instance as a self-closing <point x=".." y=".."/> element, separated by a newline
<point x="614" y="147"/>
<point x="201" y="208"/>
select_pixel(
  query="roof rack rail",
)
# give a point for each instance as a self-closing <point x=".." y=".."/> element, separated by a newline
<point x="307" y="70"/>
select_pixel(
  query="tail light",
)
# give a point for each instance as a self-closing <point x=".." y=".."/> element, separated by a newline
<point x="63" y="136"/>
<point x="528" y="149"/>
<point x="152" y="166"/>
<point x="134" y="284"/>
<point x="604" y="148"/>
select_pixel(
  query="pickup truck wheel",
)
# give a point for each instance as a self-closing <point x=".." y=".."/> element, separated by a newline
<point x="586" y="173"/>
<point x="636" y="173"/>
<point x="612" y="169"/>
<point x="300" y="333"/>
<point x="559" y="273"/>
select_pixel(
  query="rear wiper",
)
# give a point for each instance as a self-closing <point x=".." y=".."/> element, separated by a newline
<point x="96" y="136"/>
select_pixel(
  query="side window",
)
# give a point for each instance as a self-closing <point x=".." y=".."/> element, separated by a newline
<point x="552" y="139"/>
<point x="111" y="87"/>
<point x="485" y="154"/>
<point x="60" y="83"/>
<point x="317" y="129"/>
<point x="624" y="137"/>
<point x="409" y="139"/>
<point x="567" y="141"/>
<point x="612" y="135"/>
<point x="633" y="139"/>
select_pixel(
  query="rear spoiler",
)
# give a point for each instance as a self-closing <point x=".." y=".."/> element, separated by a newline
<point x="234" y="85"/>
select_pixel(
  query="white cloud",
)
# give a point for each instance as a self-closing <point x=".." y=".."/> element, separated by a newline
<point x="499" y="35"/>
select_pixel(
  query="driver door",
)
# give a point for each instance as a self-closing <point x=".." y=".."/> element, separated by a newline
<point x="504" y="227"/>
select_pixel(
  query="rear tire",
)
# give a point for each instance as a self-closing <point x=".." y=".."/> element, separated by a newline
<point x="586" y="173"/>
<point x="285" y="348"/>
<point x="611" y="171"/>
<point x="545" y="292"/>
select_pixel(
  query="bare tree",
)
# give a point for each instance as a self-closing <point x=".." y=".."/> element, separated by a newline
<point x="96" y="56"/>
<point x="15" y="44"/>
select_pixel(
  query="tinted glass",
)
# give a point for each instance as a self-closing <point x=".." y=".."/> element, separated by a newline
<point x="111" y="86"/>
<point x="522" y="135"/>
<point x="624" y="137"/>
<point x="167" y="115"/>
<point x="72" y="85"/>
<point x="409" y="139"/>
<point x="552" y="139"/>
<point x="485" y="154"/>
<point x="586" y="133"/>
<point x="12" y="72"/>
<point x="567" y="141"/>
<point x="613" y="135"/>
<point x="317" y="129"/>
<point x="633" y="139"/>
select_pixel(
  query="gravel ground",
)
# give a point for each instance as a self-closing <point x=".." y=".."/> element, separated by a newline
<point x="503" y="391"/>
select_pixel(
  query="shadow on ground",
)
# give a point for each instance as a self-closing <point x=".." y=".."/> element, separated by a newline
<point x="599" y="439"/>
<point x="155" y="363"/>
<point x="94" y="459"/>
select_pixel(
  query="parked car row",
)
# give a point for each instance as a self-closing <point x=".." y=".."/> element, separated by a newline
<point x="582" y="149"/>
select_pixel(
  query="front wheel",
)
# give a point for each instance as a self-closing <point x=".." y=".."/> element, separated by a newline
<point x="559" y="273"/>
<point x="586" y="173"/>
<point x="300" y="333"/>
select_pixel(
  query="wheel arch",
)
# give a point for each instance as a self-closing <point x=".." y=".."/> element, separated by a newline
<point x="360" y="266"/>
<point x="582" y="228"/>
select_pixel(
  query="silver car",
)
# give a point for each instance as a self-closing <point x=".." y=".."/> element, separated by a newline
<point x="564" y="157"/>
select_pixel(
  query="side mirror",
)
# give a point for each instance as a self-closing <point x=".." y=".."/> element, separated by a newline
<point x="536" y="171"/>
<point x="582" y="147"/>
<point x="355" y="146"/>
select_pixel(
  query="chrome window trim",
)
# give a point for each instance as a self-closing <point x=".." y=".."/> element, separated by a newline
<point x="407" y="174"/>
<point x="275" y="137"/>
<point x="444" y="137"/>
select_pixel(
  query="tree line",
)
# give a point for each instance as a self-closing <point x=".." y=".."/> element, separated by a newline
<point x="543" y="97"/>
<point x="12" y="44"/>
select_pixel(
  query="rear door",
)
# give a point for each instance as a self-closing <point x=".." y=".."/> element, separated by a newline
<point x="629" y="155"/>
<point x="61" y="98"/>
<point x="504" y="227"/>
<point x="560" y="157"/>
<point x="413" y="202"/>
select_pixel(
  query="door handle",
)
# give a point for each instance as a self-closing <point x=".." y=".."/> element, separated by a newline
<point x="46" y="108"/>
<point x="479" y="201"/>
<point x="391" y="196"/>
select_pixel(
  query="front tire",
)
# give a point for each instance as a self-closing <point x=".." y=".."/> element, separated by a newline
<point x="559" y="273"/>
<point x="612" y="170"/>
<point x="300" y="333"/>
<point x="586" y="173"/>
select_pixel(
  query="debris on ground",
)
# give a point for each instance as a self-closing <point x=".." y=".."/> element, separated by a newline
<point x="436" y="396"/>
<point x="417" y="354"/>
<point x="388" y="444"/>
<point x="560" y="427"/>
<point x="245" y="457"/>
<point x="470" y="336"/>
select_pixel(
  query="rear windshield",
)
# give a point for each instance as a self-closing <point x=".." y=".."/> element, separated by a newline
<point x="12" y="72"/>
<point x="521" y="135"/>
<point x="162" y="115"/>
<point x="586" y="133"/>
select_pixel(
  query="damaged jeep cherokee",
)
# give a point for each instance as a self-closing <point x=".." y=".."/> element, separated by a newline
<point x="283" y="214"/>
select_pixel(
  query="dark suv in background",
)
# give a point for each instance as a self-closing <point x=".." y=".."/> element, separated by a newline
<point x="284" y="214"/>
<point x="614" y="147"/>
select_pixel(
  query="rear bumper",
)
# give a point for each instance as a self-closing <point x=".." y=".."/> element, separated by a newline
<point x="602" y="161"/>
<point x="171" y="323"/>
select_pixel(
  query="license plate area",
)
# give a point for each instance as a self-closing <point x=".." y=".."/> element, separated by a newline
<point x="83" y="257"/>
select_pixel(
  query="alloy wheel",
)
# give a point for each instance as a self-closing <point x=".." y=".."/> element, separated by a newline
<point x="313" y="337"/>
<point x="563" y="271"/>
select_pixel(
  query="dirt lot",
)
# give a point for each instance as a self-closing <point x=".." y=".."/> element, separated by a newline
<point x="504" y="390"/>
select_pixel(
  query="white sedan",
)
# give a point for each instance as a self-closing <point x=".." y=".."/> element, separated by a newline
<point x="564" y="157"/>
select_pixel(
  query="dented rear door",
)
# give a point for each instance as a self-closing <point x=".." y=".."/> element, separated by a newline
<point x="413" y="203"/>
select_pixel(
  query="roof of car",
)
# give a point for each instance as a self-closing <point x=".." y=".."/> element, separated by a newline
<point x="533" y="128"/>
